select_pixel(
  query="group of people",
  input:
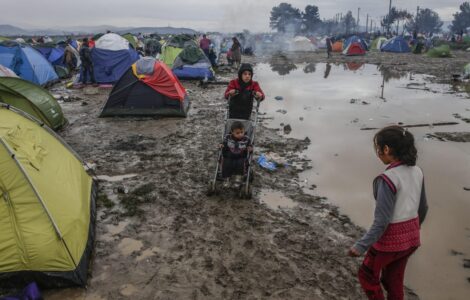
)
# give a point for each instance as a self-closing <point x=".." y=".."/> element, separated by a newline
<point x="401" y="204"/>
<point x="234" y="55"/>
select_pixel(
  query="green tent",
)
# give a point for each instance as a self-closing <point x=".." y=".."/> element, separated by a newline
<point x="62" y="72"/>
<point x="466" y="70"/>
<point x="191" y="54"/>
<point x="47" y="206"/>
<point x="169" y="55"/>
<point x="377" y="43"/>
<point x="131" y="39"/>
<point x="441" y="51"/>
<point x="33" y="100"/>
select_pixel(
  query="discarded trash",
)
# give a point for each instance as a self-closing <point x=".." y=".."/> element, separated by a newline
<point x="264" y="163"/>
<point x="31" y="292"/>
<point x="282" y="111"/>
<point x="279" y="98"/>
<point x="271" y="156"/>
<point x="287" y="129"/>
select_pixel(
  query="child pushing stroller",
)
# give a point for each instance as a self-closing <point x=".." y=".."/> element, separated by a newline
<point x="240" y="93"/>
<point x="235" y="155"/>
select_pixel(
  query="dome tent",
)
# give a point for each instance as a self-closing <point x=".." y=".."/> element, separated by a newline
<point x="148" y="88"/>
<point x="396" y="45"/>
<point x="112" y="56"/>
<point x="27" y="63"/>
<point x="33" y="100"/>
<point x="354" y="49"/>
<point x="301" y="43"/>
<point x="192" y="63"/>
<point x="47" y="206"/>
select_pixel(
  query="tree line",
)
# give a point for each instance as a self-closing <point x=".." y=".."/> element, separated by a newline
<point x="287" y="19"/>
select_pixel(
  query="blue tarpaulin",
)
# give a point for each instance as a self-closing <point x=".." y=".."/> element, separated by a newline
<point x="110" y="65"/>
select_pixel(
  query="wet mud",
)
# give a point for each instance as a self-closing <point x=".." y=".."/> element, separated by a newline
<point x="159" y="236"/>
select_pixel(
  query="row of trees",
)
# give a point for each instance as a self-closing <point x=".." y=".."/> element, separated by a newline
<point x="286" y="18"/>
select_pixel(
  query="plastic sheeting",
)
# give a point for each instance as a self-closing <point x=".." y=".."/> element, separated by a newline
<point x="112" y="41"/>
<point x="5" y="72"/>
<point x="109" y="65"/>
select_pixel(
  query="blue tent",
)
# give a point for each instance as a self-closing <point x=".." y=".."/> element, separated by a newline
<point x="355" y="39"/>
<point x="74" y="44"/>
<point x="396" y="45"/>
<point x="110" y="65"/>
<point x="55" y="55"/>
<point x="27" y="63"/>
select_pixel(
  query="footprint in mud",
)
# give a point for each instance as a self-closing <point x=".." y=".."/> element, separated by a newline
<point x="128" y="290"/>
<point x="127" y="246"/>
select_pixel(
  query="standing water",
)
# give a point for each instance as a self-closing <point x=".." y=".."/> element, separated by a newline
<point x="332" y="104"/>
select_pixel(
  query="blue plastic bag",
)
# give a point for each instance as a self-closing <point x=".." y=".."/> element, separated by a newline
<point x="264" y="163"/>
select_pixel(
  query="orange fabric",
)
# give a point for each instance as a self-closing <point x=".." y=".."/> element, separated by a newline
<point x="165" y="82"/>
<point x="337" y="46"/>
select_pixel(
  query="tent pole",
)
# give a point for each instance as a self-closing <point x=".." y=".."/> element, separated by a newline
<point x="56" y="228"/>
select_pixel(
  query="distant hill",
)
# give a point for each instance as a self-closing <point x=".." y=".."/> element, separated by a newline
<point x="9" y="30"/>
<point x="159" y="30"/>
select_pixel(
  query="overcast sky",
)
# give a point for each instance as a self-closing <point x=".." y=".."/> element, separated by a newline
<point x="204" y="15"/>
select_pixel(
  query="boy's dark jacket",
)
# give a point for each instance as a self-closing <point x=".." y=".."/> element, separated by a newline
<point x="235" y="149"/>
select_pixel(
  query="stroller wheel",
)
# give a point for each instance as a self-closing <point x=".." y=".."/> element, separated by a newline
<point x="248" y="192"/>
<point x="212" y="188"/>
<point x="245" y="192"/>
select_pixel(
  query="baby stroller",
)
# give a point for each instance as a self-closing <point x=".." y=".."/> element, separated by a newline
<point x="244" y="188"/>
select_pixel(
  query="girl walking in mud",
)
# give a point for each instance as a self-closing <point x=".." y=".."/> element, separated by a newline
<point x="400" y="209"/>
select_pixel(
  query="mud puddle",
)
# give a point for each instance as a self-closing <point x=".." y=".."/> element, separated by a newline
<point x="276" y="200"/>
<point x="330" y="104"/>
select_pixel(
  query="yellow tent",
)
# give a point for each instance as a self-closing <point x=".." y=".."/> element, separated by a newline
<point x="47" y="205"/>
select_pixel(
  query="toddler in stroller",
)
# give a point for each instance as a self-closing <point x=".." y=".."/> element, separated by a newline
<point x="235" y="149"/>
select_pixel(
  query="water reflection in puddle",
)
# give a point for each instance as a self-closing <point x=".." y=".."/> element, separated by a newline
<point x="330" y="104"/>
<point x="276" y="200"/>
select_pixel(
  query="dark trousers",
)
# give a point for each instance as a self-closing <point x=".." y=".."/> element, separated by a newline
<point x="233" y="166"/>
<point x="387" y="268"/>
<point x="328" y="52"/>
<point x="84" y="74"/>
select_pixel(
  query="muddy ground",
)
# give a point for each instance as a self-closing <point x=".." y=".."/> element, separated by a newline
<point x="159" y="236"/>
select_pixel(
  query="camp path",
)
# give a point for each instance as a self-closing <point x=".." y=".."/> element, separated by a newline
<point x="160" y="237"/>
